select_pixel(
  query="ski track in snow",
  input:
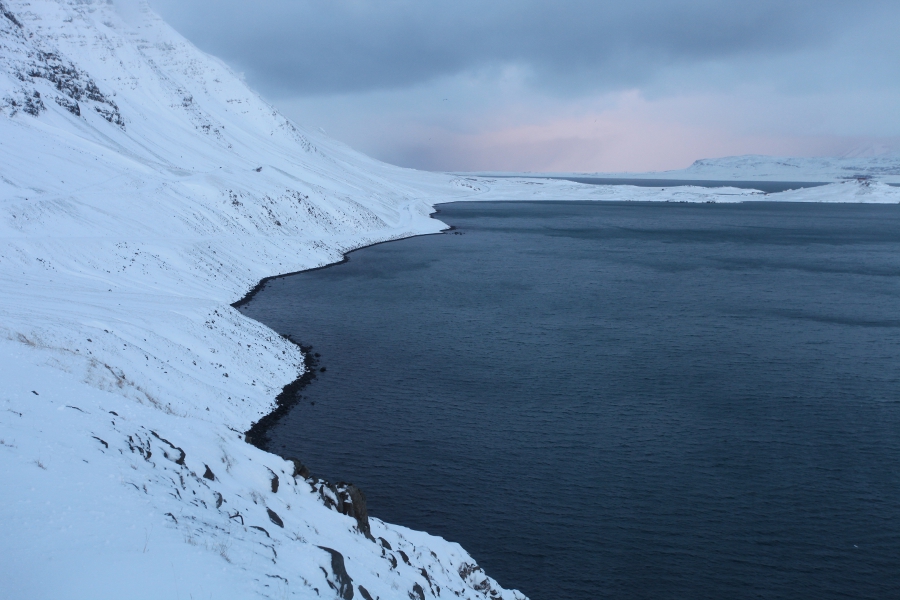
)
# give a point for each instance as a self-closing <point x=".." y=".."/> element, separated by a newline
<point x="145" y="188"/>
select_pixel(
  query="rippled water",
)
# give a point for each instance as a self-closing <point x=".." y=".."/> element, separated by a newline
<point x="620" y="400"/>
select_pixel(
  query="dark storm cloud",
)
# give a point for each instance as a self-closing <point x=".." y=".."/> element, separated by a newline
<point x="302" y="47"/>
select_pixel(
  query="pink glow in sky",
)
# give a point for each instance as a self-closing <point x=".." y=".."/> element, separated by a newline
<point x="572" y="85"/>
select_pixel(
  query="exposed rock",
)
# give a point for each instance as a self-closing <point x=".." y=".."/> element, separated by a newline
<point x="300" y="469"/>
<point x="354" y="505"/>
<point x="179" y="459"/>
<point x="69" y="104"/>
<point x="273" y="516"/>
<point x="347" y="499"/>
<point x="9" y="16"/>
<point x="261" y="529"/>
<point x="342" y="584"/>
<point x="364" y="593"/>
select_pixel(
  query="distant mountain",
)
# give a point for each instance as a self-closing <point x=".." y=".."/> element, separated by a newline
<point x="863" y="164"/>
<point x="880" y="163"/>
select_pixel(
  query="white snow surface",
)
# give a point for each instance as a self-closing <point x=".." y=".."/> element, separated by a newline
<point x="884" y="168"/>
<point x="143" y="189"/>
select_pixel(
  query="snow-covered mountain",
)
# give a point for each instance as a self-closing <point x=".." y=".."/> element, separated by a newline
<point x="881" y="167"/>
<point x="143" y="189"/>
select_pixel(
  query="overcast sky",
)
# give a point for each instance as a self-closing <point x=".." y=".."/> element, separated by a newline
<point x="567" y="85"/>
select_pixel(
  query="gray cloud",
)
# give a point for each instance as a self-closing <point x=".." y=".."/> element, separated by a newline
<point x="290" y="47"/>
<point x="568" y="84"/>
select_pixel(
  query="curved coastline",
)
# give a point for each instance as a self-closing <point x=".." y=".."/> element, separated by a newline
<point x="258" y="434"/>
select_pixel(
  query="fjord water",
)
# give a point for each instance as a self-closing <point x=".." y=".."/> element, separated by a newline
<point x="623" y="400"/>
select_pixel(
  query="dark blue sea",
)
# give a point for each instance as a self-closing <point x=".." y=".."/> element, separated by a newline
<point x="620" y="400"/>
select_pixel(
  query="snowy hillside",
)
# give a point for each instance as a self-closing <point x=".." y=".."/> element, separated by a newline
<point x="143" y="189"/>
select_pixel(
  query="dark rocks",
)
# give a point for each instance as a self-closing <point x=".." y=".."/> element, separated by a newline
<point x="355" y="506"/>
<point x="74" y="84"/>
<point x="471" y="573"/>
<point x="10" y="16"/>
<point x="417" y="592"/>
<point x="33" y="104"/>
<point x="258" y="434"/>
<point x="404" y="557"/>
<point x="364" y="593"/>
<point x="300" y="469"/>
<point x="209" y="474"/>
<point x="349" y="500"/>
<point x="261" y="529"/>
<point x="384" y="543"/>
<point x="179" y="459"/>
<point x="342" y="584"/>
<point x="70" y="105"/>
<point x="273" y="516"/>
<point x="112" y="116"/>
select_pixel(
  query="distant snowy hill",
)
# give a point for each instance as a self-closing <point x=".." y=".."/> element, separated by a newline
<point x="143" y="189"/>
<point x="884" y="167"/>
<point x="881" y="166"/>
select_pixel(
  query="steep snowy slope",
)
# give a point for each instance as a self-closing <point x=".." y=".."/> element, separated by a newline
<point x="143" y="189"/>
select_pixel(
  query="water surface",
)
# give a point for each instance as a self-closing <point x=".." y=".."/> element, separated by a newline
<point x="620" y="400"/>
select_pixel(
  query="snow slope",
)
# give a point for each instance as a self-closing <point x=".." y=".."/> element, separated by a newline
<point x="143" y="189"/>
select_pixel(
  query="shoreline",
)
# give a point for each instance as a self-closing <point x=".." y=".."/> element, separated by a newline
<point x="258" y="433"/>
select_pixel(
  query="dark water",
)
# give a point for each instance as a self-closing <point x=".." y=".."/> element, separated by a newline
<point x="628" y="400"/>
